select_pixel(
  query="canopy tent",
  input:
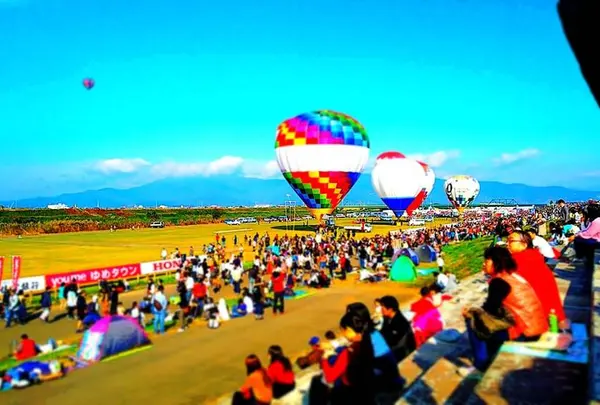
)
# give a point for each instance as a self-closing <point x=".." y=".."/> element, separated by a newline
<point x="403" y="269"/>
<point x="426" y="254"/>
<point x="110" y="336"/>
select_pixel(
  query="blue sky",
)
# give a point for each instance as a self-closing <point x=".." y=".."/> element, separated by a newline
<point x="488" y="88"/>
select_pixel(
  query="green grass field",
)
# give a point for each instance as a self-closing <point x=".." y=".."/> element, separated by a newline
<point x="58" y="253"/>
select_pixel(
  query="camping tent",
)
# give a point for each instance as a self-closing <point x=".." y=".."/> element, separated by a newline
<point x="403" y="269"/>
<point x="411" y="255"/>
<point x="426" y="254"/>
<point x="109" y="336"/>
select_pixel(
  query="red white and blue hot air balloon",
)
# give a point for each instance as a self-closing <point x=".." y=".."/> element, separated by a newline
<point x="398" y="180"/>
<point x="88" y="83"/>
<point x="427" y="187"/>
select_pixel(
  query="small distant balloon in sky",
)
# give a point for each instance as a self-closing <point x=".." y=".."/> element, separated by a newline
<point x="88" y="83"/>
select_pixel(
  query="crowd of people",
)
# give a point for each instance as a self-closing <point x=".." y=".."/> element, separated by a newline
<point x="522" y="294"/>
<point x="522" y="301"/>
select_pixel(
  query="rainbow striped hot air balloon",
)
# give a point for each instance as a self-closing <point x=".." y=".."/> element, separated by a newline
<point x="397" y="180"/>
<point x="321" y="154"/>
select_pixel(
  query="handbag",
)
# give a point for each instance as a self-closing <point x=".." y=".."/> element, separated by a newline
<point x="484" y="324"/>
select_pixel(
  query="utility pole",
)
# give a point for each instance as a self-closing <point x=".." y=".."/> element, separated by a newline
<point x="290" y="213"/>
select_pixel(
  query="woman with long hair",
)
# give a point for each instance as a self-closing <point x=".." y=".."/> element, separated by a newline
<point x="350" y="375"/>
<point x="512" y="310"/>
<point x="258" y="388"/>
<point x="533" y="268"/>
<point x="280" y="372"/>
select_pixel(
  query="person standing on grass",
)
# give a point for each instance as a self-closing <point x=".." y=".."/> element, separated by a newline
<point x="278" y="280"/>
<point x="236" y="278"/>
<point x="46" y="304"/>
<point x="159" y="310"/>
<point x="11" y="310"/>
<point x="114" y="300"/>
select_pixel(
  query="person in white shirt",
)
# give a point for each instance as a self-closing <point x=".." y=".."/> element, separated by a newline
<point x="164" y="254"/>
<point x="236" y="277"/>
<point x="542" y="245"/>
<point x="249" y="303"/>
<point x="440" y="261"/>
<point x="441" y="279"/>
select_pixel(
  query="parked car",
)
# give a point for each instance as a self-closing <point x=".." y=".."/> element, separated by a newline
<point x="157" y="224"/>
<point x="416" y="222"/>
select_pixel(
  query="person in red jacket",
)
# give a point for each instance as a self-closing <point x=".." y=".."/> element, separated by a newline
<point x="281" y="373"/>
<point x="532" y="267"/>
<point x="278" y="280"/>
<point x="27" y="348"/>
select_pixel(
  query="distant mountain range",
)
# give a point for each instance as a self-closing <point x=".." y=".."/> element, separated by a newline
<point x="234" y="190"/>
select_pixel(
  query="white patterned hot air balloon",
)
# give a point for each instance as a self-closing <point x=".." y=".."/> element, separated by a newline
<point x="461" y="191"/>
<point x="398" y="180"/>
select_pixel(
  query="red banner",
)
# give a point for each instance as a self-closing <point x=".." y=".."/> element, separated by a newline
<point x="1" y="268"/>
<point x="16" y="271"/>
<point x="94" y="275"/>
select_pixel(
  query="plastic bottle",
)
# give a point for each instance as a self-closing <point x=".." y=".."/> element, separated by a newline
<point x="553" y="320"/>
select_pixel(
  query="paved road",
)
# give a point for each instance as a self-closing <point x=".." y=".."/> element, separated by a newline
<point x="200" y="364"/>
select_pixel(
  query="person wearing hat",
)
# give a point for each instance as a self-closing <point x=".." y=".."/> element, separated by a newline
<point x="314" y="356"/>
<point x="396" y="329"/>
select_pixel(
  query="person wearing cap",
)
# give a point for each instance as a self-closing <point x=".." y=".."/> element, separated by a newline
<point x="314" y="356"/>
<point x="396" y="329"/>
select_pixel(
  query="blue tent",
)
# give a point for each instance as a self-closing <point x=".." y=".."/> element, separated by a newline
<point x="411" y="255"/>
<point x="111" y="335"/>
<point x="426" y="254"/>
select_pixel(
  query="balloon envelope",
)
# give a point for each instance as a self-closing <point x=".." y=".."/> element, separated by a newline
<point x="88" y="83"/>
<point x="428" y="184"/>
<point x="321" y="154"/>
<point x="397" y="181"/>
<point x="461" y="190"/>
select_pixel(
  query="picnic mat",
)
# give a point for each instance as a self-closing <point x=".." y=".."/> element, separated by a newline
<point x="572" y="348"/>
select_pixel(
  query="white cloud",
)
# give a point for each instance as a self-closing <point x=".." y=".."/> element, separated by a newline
<point x="436" y="159"/>
<point x="251" y="168"/>
<point x="261" y="170"/>
<point x="508" y="158"/>
<point x="222" y="166"/>
<point x="591" y="174"/>
<point x="110" y="166"/>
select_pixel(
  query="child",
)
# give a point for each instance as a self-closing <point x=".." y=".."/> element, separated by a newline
<point x="333" y="342"/>
<point x="240" y="309"/>
<point x="136" y="314"/>
<point x="377" y="316"/>
<point x="259" y="309"/>
<point x="314" y="356"/>
<point x="62" y="297"/>
<point x="213" y="318"/>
